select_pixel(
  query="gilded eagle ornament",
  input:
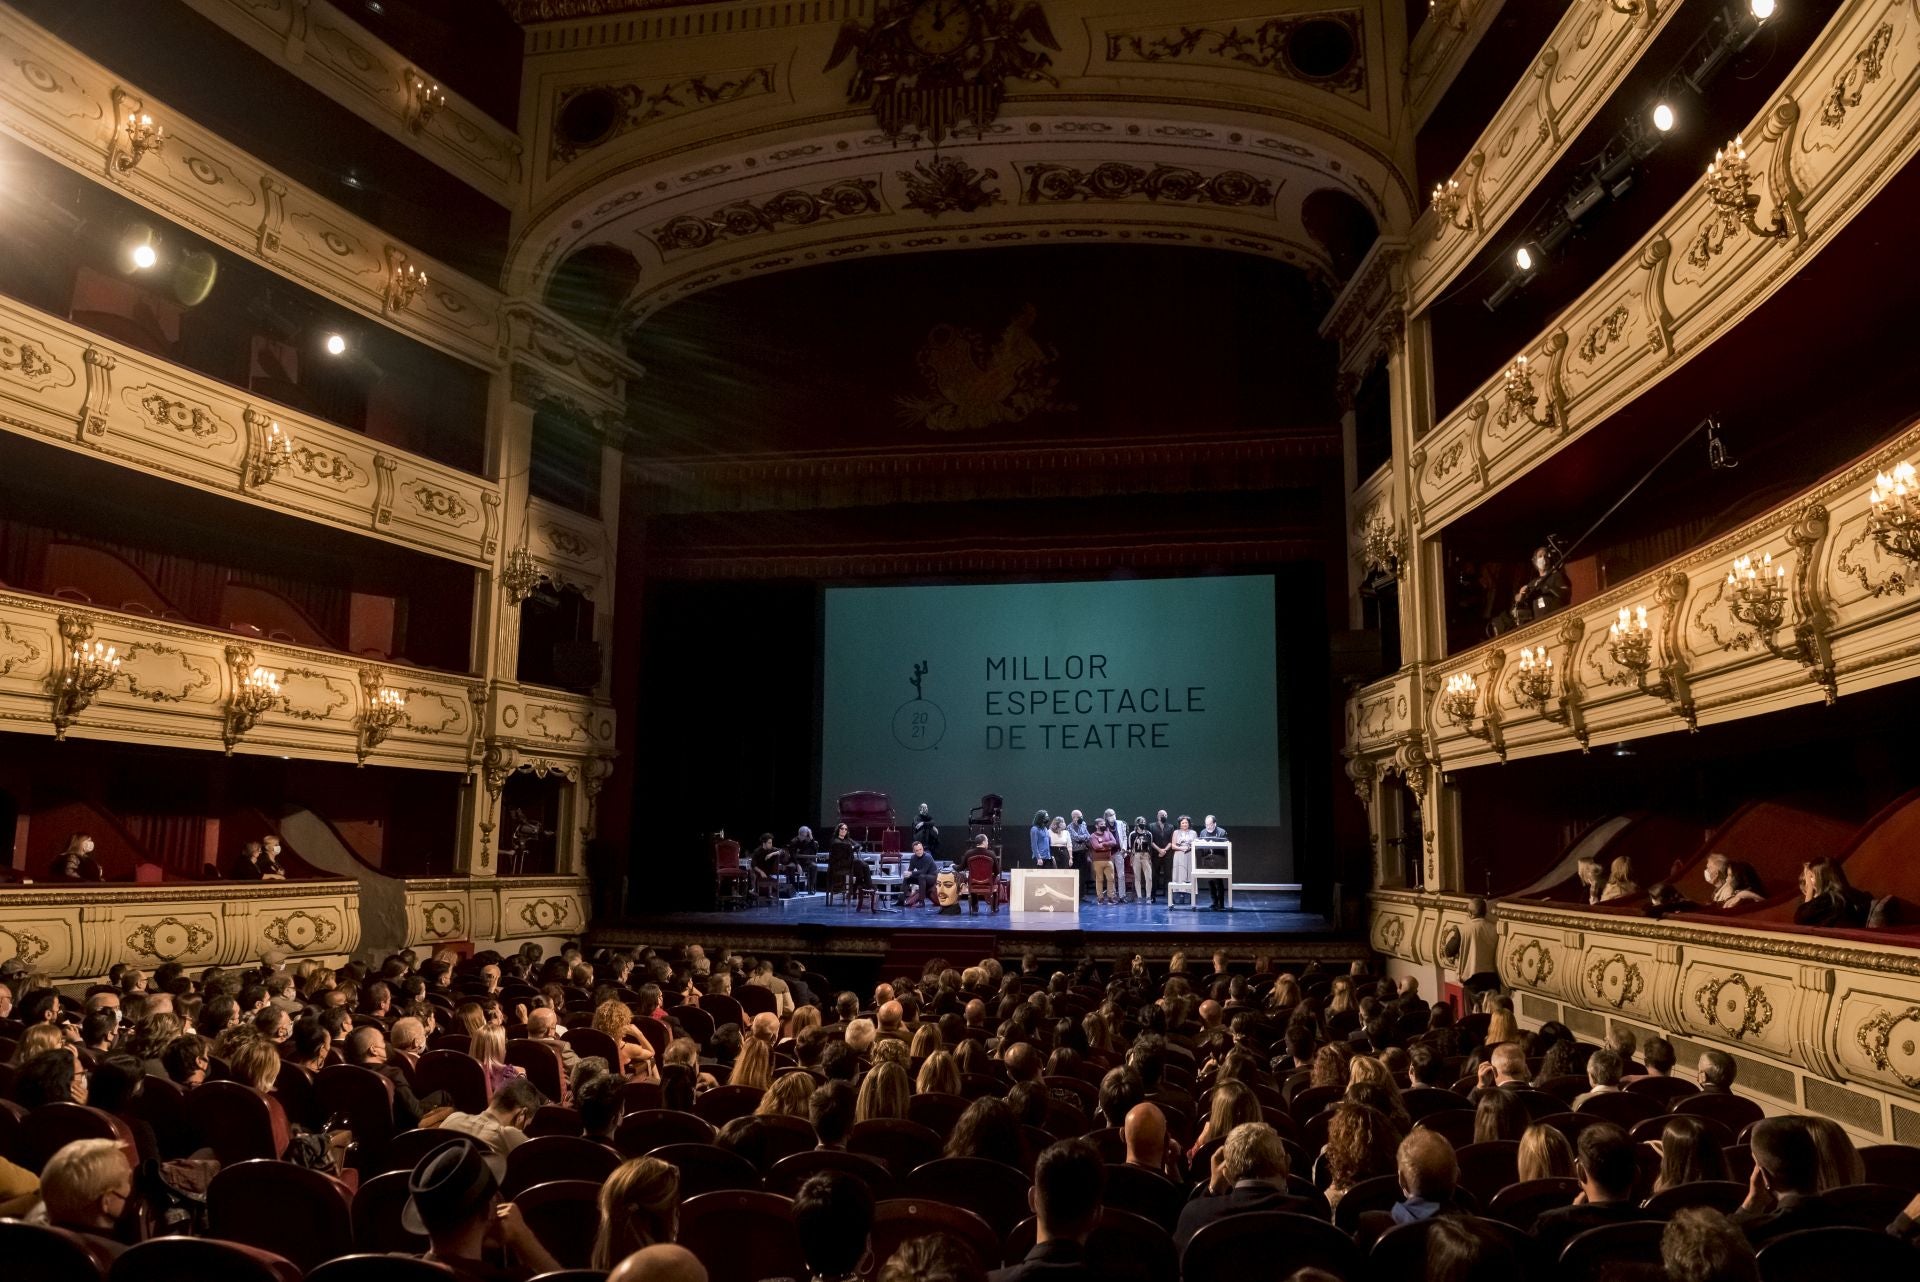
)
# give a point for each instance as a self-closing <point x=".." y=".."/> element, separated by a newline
<point x="929" y="65"/>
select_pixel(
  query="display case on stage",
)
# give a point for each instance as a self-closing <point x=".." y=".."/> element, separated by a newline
<point x="1050" y="891"/>
<point x="1211" y="859"/>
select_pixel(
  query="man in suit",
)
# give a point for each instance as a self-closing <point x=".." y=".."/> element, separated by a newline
<point x="1067" y="1183"/>
<point x="1603" y="1077"/>
<point x="1783" y="1194"/>
<point x="1507" y="1068"/>
<point x="1249" y="1174"/>
<point x="1429" y="1177"/>
<point x="1606" y="1167"/>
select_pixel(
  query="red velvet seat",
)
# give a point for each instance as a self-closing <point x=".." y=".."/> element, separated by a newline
<point x="1662" y="1090"/>
<point x="1521" y="1203"/>
<point x="1599" y="1253"/>
<point x="554" y="1119"/>
<point x="556" y="1157"/>
<point x="790" y="1172"/>
<point x="640" y="1133"/>
<point x="36" y="1251"/>
<point x="409" y="1147"/>
<point x="1488" y="1167"/>
<point x="1622" y="1109"/>
<point x="724" y="1103"/>
<point x="1400" y="1254"/>
<point x="303" y="1215"/>
<point x="901" y="1144"/>
<point x="1653" y="1127"/>
<point x="1868" y="1206"/>
<point x="376" y="1209"/>
<point x="755" y="1000"/>
<point x="1456" y="1127"/>
<point x="565" y="1216"/>
<point x="783" y="1136"/>
<point x="1379" y="1193"/>
<point x="47" y="1129"/>
<point x="1249" y="1245"/>
<point x="1731" y="1111"/>
<point x="1569" y="1125"/>
<point x="1897" y="1164"/>
<point x="996" y="1193"/>
<point x="639" y="1097"/>
<point x="458" y="1074"/>
<point x="365" y="1098"/>
<point x="542" y="1064"/>
<point x="1814" y="1253"/>
<point x="382" y="1268"/>
<point x="162" y="1105"/>
<point x="1724" y="1196"/>
<point x="742" y="1236"/>
<point x="1424" y="1101"/>
<point x="591" y="1041"/>
<point x="197" y="1259"/>
<point x="899" y="1220"/>
<point x="706" y="1169"/>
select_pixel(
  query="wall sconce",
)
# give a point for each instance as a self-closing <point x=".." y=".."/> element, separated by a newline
<point x="143" y="136"/>
<point x="1730" y="188"/>
<point x="90" y="668"/>
<point x="1380" y="546"/>
<point x="276" y="451"/>
<point x="386" y="708"/>
<point x="1448" y="201"/>
<point x="1757" y="597"/>
<point x="405" y="286"/>
<point x="1894" y="518"/>
<point x="1630" y="642"/>
<point x="1518" y="397"/>
<point x="1461" y="700"/>
<point x="257" y="693"/>
<point x="1534" y="680"/>
<point x="519" y="576"/>
<point x="424" y="100"/>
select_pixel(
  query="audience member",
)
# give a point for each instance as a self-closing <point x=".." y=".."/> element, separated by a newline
<point x="1067" y="1184"/>
<point x="833" y="1218"/>
<point x="1783" y="1194"/>
<point x="1249" y="1173"/>
<point x="87" y="1188"/>
<point x="639" y="1207"/>
<point x="453" y="1198"/>
<point x="503" y="1126"/>
<point x="1429" y="1177"/>
<point x="1701" y="1245"/>
<point x="1606" y="1167"/>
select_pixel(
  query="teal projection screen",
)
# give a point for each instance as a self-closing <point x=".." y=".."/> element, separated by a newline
<point x="1135" y="695"/>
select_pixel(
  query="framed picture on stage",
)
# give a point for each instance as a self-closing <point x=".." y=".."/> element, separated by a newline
<point x="1049" y="892"/>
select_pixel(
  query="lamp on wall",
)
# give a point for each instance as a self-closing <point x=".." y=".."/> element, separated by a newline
<point x="1520" y="402"/>
<point x="143" y="136"/>
<point x="1448" y="200"/>
<point x="1757" y="594"/>
<point x="276" y="451"/>
<point x="1630" y="641"/>
<point x="91" y="668"/>
<point x="1730" y="187"/>
<point x="1461" y="700"/>
<point x="1894" y="515"/>
<point x="386" y="708"/>
<point x="424" y="100"/>
<point x="256" y="694"/>
<point x="1534" y="680"/>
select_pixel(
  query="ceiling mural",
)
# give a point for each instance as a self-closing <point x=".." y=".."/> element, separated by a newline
<point x="942" y="352"/>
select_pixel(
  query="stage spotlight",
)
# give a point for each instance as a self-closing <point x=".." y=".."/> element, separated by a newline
<point x="139" y="244"/>
<point x="1760" y="9"/>
<point x="144" y="257"/>
<point x="336" y="345"/>
<point x="1662" y="117"/>
<point x="1523" y="258"/>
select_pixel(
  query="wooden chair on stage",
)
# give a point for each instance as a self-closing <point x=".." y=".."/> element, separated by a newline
<point x="865" y="814"/>
<point x="733" y="885"/>
<point x="983" y="881"/>
<point x="985" y="817"/>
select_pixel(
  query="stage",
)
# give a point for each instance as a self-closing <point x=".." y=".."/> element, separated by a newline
<point x="1259" y="922"/>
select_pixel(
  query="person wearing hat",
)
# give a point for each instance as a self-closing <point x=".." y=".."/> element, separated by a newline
<point x="453" y="1198"/>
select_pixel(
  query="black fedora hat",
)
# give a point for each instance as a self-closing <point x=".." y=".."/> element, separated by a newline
<point x="450" y="1183"/>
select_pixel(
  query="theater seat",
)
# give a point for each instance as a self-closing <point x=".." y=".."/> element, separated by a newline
<point x="1816" y="1253"/>
<point x="197" y="1259"/>
<point x="1123" y="1246"/>
<point x="996" y="1193"/>
<point x="565" y="1216"/>
<point x="642" y="1132"/>
<point x="382" y="1268"/>
<point x="557" y="1157"/>
<point x="301" y="1214"/>
<point x="742" y="1236"/>
<point x="1249" y="1245"/>
<point x="790" y="1172"/>
<point x="42" y="1251"/>
<point x="899" y="1220"/>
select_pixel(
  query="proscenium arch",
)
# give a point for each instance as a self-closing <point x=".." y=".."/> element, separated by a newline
<point x="799" y="195"/>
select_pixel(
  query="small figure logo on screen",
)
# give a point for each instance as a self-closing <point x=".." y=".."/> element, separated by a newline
<point x="917" y="723"/>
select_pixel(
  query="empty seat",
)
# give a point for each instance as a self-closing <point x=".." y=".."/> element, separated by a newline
<point x="1153" y="1196"/>
<point x="1520" y="1204"/>
<point x="1724" y="1196"/>
<point x="557" y="1157"/>
<point x="724" y="1103"/>
<point x="996" y="1193"/>
<point x="742" y="1236"/>
<point x="1734" y="1111"/>
<point x="706" y="1169"/>
<point x="1251" y="1244"/>
<point x="49" y="1128"/>
<point x="1892" y="1164"/>
<point x="642" y="1132"/>
<point x="455" y="1072"/>
<point x="789" y="1173"/>
<point x="36" y="1251"/>
<point x="937" y="1111"/>
<point x="1868" y="1206"/>
<point x="1488" y="1167"/>
<point x="565" y="1216"/>
<point x="901" y="1144"/>
<point x="1592" y="1255"/>
<point x="365" y="1098"/>
<point x="303" y="1215"/>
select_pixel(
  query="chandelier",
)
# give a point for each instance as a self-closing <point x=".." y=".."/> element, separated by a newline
<point x="1894" y="514"/>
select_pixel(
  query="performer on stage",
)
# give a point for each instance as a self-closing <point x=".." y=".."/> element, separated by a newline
<point x="803" y="848"/>
<point x="923" y="870"/>
<point x="1119" y="832"/>
<point x="766" y="862"/>
<point x="1102" y="846"/>
<point x="1216" y="885"/>
<point x="1077" y="835"/>
<point x="1060" y="843"/>
<point x="924" y="832"/>
<point x="1182" y="846"/>
<point x="1162" y="834"/>
<point x="1140" y="856"/>
<point x="1039" y="840"/>
<point x="842" y="862"/>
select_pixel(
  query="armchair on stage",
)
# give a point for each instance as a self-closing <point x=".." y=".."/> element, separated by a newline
<point x="1210" y="859"/>
<point x="733" y="884"/>
<point x="867" y="814"/>
<point x="985" y="817"/>
<point x="983" y="881"/>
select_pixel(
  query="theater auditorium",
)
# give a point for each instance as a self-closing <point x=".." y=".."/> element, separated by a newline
<point x="959" y="640"/>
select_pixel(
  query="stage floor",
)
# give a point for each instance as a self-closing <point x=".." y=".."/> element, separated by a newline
<point x="1253" y="913"/>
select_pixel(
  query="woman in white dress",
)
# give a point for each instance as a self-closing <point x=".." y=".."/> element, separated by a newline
<point x="1183" y="836"/>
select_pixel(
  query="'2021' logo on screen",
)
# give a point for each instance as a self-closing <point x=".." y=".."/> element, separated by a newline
<point x="918" y="724"/>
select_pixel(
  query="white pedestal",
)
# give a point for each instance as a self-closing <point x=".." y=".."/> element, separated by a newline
<point x="1046" y="892"/>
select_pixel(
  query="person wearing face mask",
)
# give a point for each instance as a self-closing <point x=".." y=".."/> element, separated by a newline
<point x="87" y="1186"/>
<point x="270" y="866"/>
<point x="76" y="862"/>
<point x="1547" y="591"/>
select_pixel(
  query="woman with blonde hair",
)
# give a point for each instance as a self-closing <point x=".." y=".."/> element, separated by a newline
<point x="256" y="1063"/>
<point x="939" y="1075"/>
<point x="926" y="1040"/>
<point x="639" y="1207"/>
<point x="489" y="1046"/>
<point x="1329" y="1066"/>
<point x="803" y="1018"/>
<point x="38" y="1038"/>
<point x="1285" y="993"/>
<point x="615" y="1019"/>
<point x="469" y="1018"/>
<point x="791" y="1095"/>
<point x="1620" y="882"/>
<point x="1544" y="1154"/>
<point x="883" y="1094"/>
<point x="753" y="1066"/>
<point x="1232" y="1104"/>
<point x="1501" y="1027"/>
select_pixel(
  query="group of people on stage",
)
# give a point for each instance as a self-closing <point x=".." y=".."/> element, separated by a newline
<point x="1113" y="859"/>
<point x="1117" y="863"/>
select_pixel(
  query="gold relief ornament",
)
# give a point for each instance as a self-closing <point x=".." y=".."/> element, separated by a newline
<point x="1531" y="962"/>
<point x="298" y="931"/>
<point x="929" y="65"/>
<point x="440" y="920"/>
<point x="169" y="938"/>
<point x="1891" y="1042"/>
<point x="28" y="947"/>
<point x="1616" y="981"/>
<point x="545" y="914"/>
<point x="1733" y="1004"/>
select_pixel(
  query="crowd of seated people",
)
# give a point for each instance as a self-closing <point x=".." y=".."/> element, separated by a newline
<point x="259" y="860"/>
<point x="678" y="1116"/>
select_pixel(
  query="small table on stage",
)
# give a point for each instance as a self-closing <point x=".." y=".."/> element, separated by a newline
<point x="1046" y="892"/>
<point x="1218" y="864"/>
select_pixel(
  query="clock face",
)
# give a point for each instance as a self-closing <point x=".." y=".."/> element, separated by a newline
<point x="940" y="28"/>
